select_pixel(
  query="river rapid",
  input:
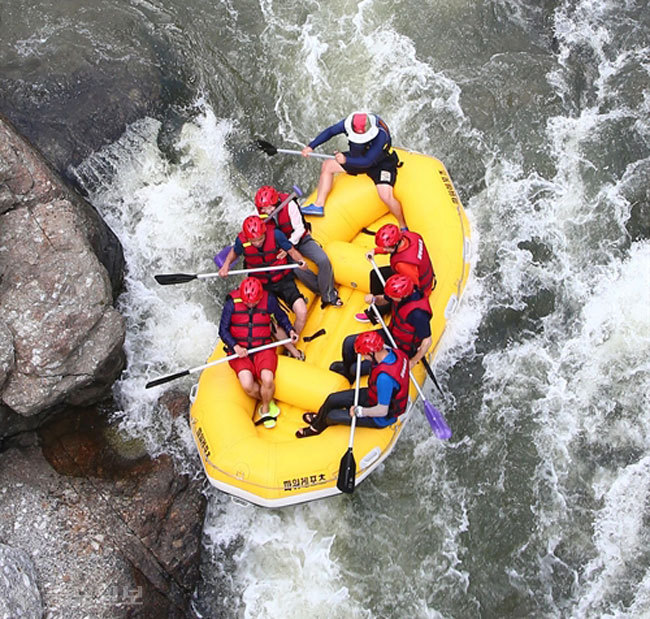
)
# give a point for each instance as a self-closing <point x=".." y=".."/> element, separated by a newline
<point x="540" y="503"/>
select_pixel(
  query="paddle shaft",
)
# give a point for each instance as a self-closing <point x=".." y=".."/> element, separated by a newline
<point x="427" y="367"/>
<point x="356" y="401"/>
<point x="166" y="379"/>
<point x="279" y="267"/>
<point x="433" y="415"/>
<point x="389" y="335"/>
<point x="287" y="151"/>
<point x="220" y="258"/>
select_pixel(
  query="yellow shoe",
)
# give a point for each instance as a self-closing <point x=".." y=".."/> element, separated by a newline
<point x="274" y="409"/>
<point x="269" y="418"/>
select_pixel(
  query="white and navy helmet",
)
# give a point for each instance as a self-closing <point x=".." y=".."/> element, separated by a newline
<point x="361" y="127"/>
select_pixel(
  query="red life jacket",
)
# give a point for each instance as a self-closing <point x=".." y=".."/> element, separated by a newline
<point x="416" y="253"/>
<point x="265" y="256"/>
<point x="399" y="371"/>
<point x="404" y="332"/>
<point x="251" y="326"/>
<point x="284" y="220"/>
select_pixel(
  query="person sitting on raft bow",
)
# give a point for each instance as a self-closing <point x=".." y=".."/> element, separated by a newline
<point x="408" y="256"/>
<point x="410" y="326"/>
<point x="292" y="223"/>
<point x="246" y="323"/>
<point x="262" y="247"/>
<point x="369" y="153"/>
<point x="380" y="404"/>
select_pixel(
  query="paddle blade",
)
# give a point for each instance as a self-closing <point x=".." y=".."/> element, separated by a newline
<point x="220" y="258"/>
<point x="174" y="278"/>
<point x="347" y="472"/>
<point x="166" y="379"/>
<point x="267" y="147"/>
<point x="437" y="421"/>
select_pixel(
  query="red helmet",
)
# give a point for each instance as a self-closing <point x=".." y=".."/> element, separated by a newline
<point x="398" y="286"/>
<point x="253" y="227"/>
<point x="387" y="236"/>
<point x="368" y="342"/>
<point x="266" y="196"/>
<point x="250" y="290"/>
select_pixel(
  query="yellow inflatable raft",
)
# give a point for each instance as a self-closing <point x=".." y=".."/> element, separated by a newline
<point x="273" y="468"/>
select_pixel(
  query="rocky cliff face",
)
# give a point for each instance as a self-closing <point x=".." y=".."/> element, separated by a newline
<point x="60" y="267"/>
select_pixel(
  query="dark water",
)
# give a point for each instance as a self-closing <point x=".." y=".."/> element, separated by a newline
<point x="539" y="506"/>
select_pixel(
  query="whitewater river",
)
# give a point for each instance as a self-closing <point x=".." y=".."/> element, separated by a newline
<point x="540" y="109"/>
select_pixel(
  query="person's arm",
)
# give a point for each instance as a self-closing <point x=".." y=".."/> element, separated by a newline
<point x="283" y="242"/>
<point x="327" y="134"/>
<point x="280" y="315"/>
<point x="421" y="321"/>
<point x="385" y="387"/>
<point x="296" y="222"/>
<point x="224" y="325"/>
<point x="236" y="250"/>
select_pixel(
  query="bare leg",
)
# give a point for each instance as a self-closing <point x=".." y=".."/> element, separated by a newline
<point x="249" y="384"/>
<point x="329" y="168"/>
<point x="394" y="205"/>
<point x="267" y="389"/>
<point x="300" y="310"/>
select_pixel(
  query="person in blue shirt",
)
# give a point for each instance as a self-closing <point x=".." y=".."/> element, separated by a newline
<point x="380" y="404"/>
<point x="262" y="247"/>
<point x="369" y="153"/>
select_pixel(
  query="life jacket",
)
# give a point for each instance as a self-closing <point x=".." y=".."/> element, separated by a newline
<point x="265" y="256"/>
<point x="404" y="332"/>
<point x="416" y="253"/>
<point x="399" y="371"/>
<point x="251" y="326"/>
<point x="284" y="220"/>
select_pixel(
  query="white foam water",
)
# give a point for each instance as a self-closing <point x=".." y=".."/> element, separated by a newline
<point x="536" y="507"/>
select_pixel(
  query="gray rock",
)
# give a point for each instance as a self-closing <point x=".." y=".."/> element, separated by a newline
<point x="56" y="294"/>
<point x="19" y="595"/>
<point x="7" y="358"/>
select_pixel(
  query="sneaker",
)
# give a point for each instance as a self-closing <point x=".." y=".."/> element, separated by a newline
<point x="338" y="367"/>
<point x="313" y="209"/>
<point x="274" y="409"/>
<point x="269" y="417"/>
<point x="362" y="317"/>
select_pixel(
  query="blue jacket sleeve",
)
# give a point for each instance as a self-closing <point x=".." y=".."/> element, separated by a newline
<point x="281" y="318"/>
<point x="282" y="240"/>
<point x="420" y="320"/>
<point x="224" y="324"/>
<point x="238" y="247"/>
<point x="328" y="134"/>
<point x="385" y="387"/>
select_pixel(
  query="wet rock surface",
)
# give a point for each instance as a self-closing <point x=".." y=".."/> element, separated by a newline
<point x="19" y="594"/>
<point x="109" y="536"/>
<point x="60" y="267"/>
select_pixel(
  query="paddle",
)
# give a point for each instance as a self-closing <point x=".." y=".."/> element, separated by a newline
<point x="182" y="278"/>
<point x="427" y="367"/>
<point x="348" y="467"/>
<point x="220" y="258"/>
<point x="170" y="377"/>
<point x="433" y="415"/>
<point x="271" y="150"/>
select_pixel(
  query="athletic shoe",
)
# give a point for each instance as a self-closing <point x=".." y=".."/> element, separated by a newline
<point x="339" y="368"/>
<point x="313" y="209"/>
<point x="362" y="317"/>
<point x="274" y="409"/>
<point x="270" y="416"/>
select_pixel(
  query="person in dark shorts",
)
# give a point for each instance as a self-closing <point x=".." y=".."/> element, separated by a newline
<point x="380" y="403"/>
<point x="369" y="153"/>
<point x="247" y="322"/>
<point x="262" y="247"/>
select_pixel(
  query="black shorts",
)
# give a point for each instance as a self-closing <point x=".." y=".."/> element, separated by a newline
<point x="285" y="289"/>
<point x="383" y="172"/>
